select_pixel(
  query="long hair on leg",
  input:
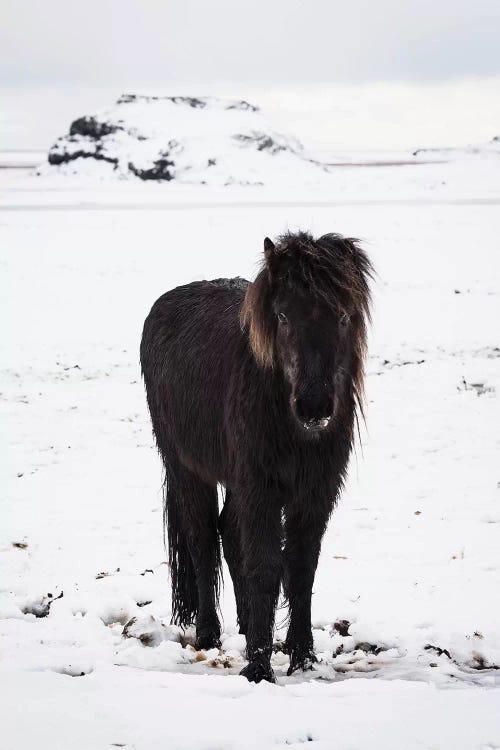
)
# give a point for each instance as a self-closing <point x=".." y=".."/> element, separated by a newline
<point x="184" y="588"/>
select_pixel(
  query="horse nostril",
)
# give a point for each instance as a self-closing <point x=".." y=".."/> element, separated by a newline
<point x="300" y="409"/>
<point x="313" y="408"/>
<point x="329" y="408"/>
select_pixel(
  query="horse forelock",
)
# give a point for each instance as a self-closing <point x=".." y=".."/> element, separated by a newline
<point x="332" y="269"/>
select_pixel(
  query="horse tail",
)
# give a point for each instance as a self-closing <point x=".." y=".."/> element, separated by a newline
<point x="182" y="573"/>
<point x="190" y="509"/>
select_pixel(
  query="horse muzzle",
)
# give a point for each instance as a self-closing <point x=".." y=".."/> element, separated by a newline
<point x="313" y="411"/>
<point x="317" y="425"/>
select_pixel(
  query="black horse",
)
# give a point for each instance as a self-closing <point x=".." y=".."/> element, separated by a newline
<point x="256" y="386"/>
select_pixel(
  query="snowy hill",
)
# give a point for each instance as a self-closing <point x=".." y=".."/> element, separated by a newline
<point x="196" y="140"/>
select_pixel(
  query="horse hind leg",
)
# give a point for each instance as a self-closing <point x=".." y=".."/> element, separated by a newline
<point x="231" y="545"/>
<point x="191" y="518"/>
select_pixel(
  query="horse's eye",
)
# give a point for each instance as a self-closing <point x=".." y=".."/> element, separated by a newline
<point x="282" y="318"/>
<point x="344" y="320"/>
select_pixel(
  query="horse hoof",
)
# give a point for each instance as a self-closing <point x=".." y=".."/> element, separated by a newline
<point x="206" y="641"/>
<point x="303" y="660"/>
<point x="256" y="672"/>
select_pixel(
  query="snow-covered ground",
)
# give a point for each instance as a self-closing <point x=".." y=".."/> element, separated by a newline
<point x="411" y="560"/>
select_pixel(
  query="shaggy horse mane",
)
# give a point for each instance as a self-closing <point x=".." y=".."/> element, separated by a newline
<point x="332" y="270"/>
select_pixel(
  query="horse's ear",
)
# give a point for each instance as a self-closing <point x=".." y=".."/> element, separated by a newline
<point x="269" y="249"/>
<point x="270" y="256"/>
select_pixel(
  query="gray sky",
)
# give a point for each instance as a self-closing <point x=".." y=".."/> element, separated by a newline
<point x="338" y="74"/>
<point x="171" y="43"/>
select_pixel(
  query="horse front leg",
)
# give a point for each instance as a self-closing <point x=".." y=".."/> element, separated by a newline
<point x="261" y="532"/>
<point x="304" y="529"/>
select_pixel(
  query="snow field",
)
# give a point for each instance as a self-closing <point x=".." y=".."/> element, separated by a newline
<point x="410" y="561"/>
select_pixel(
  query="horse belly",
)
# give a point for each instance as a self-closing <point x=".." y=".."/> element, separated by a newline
<point x="193" y="402"/>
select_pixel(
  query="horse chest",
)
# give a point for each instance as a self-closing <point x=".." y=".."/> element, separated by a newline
<point x="302" y="468"/>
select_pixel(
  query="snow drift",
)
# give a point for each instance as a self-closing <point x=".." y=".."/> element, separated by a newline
<point x="195" y="140"/>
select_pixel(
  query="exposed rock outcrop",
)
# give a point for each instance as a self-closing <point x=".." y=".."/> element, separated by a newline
<point x="188" y="139"/>
<point x="477" y="149"/>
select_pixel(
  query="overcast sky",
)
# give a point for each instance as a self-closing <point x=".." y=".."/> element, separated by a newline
<point x="130" y="42"/>
<point x="306" y="50"/>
